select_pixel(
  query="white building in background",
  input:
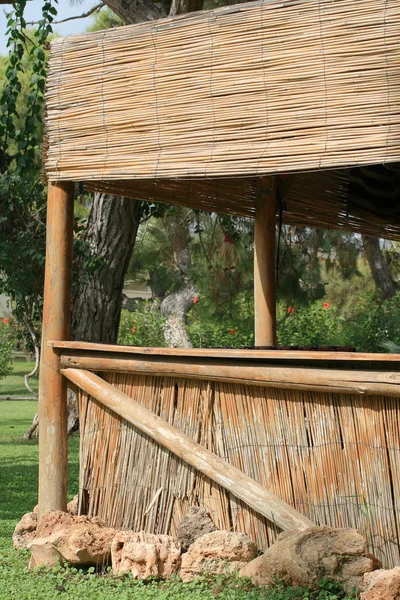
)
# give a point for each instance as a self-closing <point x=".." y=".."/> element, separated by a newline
<point x="137" y="289"/>
<point x="132" y="290"/>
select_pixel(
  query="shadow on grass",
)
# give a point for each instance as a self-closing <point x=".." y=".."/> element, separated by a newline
<point x="19" y="480"/>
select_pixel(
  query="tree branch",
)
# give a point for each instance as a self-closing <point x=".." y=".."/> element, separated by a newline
<point x="135" y="11"/>
<point x="82" y="16"/>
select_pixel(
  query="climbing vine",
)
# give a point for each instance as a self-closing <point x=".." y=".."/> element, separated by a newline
<point x="22" y="194"/>
<point x="20" y="133"/>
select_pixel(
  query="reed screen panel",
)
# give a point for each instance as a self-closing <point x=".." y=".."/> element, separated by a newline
<point x="333" y="457"/>
<point x="314" y="199"/>
<point x="255" y="88"/>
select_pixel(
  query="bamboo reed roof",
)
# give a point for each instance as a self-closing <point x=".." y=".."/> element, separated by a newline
<point x="192" y="109"/>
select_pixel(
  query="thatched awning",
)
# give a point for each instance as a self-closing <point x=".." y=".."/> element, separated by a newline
<point x="319" y="199"/>
<point x="191" y="109"/>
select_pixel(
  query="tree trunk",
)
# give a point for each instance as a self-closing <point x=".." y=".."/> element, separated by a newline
<point x="111" y="233"/>
<point x="379" y="267"/>
<point x="175" y="308"/>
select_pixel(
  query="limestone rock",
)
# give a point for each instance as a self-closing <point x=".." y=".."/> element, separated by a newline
<point x="217" y="552"/>
<point x="303" y="558"/>
<point x="44" y="552"/>
<point x="196" y="523"/>
<point x="25" y="531"/>
<point x="145" y="554"/>
<point x="77" y="540"/>
<point x="382" y="585"/>
<point x="72" y="507"/>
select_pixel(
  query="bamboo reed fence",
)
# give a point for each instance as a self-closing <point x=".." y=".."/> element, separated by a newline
<point x="333" y="456"/>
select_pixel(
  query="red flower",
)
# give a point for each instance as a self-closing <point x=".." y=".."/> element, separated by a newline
<point x="133" y="329"/>
<point x="226" y="238"/>
<point x="326" y="305"/>
<point x="291" y="310"/>
<point x="5" y="320"/>
<point x="195" y="299"/>
<point x="232" y="331"/>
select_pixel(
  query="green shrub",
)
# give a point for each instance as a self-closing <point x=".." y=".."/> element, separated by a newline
<point x="143" y="327"/>
<point x="316" y="325"/>
<point x="368" y="323"/>
<point x="371" y="322"/>
<point x="233" y="328"/>
<point x="220" y="335"/>
<point x="365" y="325"/>
<point x="6" y="348"/>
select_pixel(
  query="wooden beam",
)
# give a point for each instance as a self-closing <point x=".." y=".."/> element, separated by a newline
<point x="214" y="467"/>
<point x="339" y="381"/>
<point x="264" y="264"/>
<point x="231" y="353"/>
<point x="53" y="450"/>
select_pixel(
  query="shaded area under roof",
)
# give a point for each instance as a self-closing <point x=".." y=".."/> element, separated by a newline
<point x="326" y="199"/>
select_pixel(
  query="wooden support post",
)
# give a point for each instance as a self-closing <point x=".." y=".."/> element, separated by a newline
<point x="53" y="449"/>
<point x="264" y="264"/>
<point x="219" y="470"/>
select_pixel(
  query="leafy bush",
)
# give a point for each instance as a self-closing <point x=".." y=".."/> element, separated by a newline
<point x="6" y="347"/>
<point x="372" y="321"/>
<point x="143" y="327"/>
<point x="219" y="335"/>
<point x="367" y="324"/>
<point x="233" y="328"/>
<point x="316" y="325"/>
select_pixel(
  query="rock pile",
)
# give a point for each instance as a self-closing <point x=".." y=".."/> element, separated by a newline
<point x="25" y="530"/>
<point x="297" y="558"/>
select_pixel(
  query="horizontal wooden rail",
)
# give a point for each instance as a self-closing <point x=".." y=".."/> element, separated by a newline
<point x="231" y="353"/>
<point x="214" y="467"/>
<point x="365" y="382"/>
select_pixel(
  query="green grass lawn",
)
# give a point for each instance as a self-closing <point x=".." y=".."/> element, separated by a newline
<point x="18" y="495"/>
<point x="13" y="384"/>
